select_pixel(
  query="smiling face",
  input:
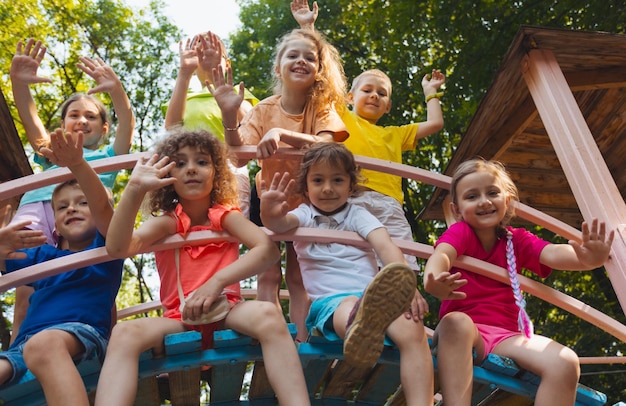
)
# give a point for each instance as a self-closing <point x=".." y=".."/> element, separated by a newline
<point x="481" y="200"/>
<point x="371" y="97"/>
<point x="72" y="218"/>
<point x="298" y="64"/>
<point x="328" y="187"/>
<point x="84" y="115"/>
<point x="194" y="173"/>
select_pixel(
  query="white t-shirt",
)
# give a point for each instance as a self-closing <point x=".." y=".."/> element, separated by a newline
<point x="329" y="269"/>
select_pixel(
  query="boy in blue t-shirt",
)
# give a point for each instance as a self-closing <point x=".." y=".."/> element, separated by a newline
<point x="70" y="314"/>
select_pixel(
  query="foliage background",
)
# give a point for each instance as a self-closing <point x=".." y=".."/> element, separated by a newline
<point x="406" y="38"/>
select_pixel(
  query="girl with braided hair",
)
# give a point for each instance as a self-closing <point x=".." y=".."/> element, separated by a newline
<point x="484" y="315"/>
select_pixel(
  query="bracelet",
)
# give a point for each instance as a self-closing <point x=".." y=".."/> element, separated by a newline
<point x="434" y="96"/>
<point x="235" y="128"/>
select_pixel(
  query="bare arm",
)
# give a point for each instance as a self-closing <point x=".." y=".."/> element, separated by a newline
<point x="591" y="253"/>
<point x="24" y="66"/>
<point x="108" y="81"/>
<point x="69" y="153"/>
<point x="178" y="102"/>
<point x="148" y="174"/>
<point x="304" y="16"/>
<point x="438" y="281"/>
<point x="269" y="144"/>
<point x="434" y="115"/>
<point x="261" y="255"/>
<point x="274" y="208"/>
<point x="229" y="102"/>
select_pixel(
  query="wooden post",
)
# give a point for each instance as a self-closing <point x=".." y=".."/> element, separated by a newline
<point x="588" y="176"/>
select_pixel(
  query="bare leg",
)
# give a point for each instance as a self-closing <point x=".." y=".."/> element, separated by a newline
<point x="48" y="355"/>
<point x="264" y="322"/>
<point x="118" y="379"/>
<point x="455" y="336"/>
<point x="6" y="370"/>
<point x="299" y="302"/>
<point x="22" y="294"/>
<point x="556" y="365"/>
<point x="416" y="363"/>
<point x="268" y="284"/>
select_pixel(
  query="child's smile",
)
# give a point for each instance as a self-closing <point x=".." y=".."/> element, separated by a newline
<point x="328" y="188"/>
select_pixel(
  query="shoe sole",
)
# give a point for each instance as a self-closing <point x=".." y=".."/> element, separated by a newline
<point x="385" y="299"/>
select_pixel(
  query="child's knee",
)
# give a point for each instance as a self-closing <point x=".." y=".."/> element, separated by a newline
<point x="456" y="324"/>
<point x="568" y="366"/>
<point x="269" y="318"/>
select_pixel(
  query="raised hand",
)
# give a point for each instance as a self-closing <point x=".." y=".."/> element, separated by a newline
<point x="26" y="62"/>
<point x="595" y="247"/>
<point x="210" y="51"/>
<point x="304" y="16"/>
<point x="64" y="150"/>
<point x="103" y="74"/>
<point x="15" y="236"/>
<point x="188" y="54"/>
<point x="227" y="99"/>
<point x="274" y="198"/>
<point x="151" y="174"/>
<point x="433" y="81"/>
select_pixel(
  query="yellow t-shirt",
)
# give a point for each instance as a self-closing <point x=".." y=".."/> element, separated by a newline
<point x="386" y="143"/>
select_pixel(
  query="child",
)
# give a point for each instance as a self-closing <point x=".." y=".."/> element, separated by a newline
<point x="309" y="81"/>
<point x="370" y="97"/>
<point x="194" y="191"/>
<point x="335" y="275"/>
<point x="482" y="314"/>
<point x="80" y="112"/>
<point x="69" y="317"/>
<point x="199" y="110"/>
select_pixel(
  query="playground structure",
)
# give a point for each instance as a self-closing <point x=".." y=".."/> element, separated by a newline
<point x="553" y="112"/>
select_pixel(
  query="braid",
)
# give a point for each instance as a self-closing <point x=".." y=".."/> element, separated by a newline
<point x="525" y="324"/>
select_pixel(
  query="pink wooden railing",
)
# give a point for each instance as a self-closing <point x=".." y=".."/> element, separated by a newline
<point x="559" y="299"/>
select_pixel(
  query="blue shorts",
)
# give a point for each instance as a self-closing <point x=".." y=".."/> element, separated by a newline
<point x="320" y="318"/>
<point x="89" y="337"/>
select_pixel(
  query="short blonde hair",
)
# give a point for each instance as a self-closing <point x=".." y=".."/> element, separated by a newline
<point x="372" y="72"/>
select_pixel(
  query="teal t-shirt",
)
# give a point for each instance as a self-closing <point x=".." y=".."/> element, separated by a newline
<point x="45" y="193"/>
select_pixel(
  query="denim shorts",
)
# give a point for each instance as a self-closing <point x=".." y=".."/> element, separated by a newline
<point x="92" y="340"/>
<point x="320" y="318"/>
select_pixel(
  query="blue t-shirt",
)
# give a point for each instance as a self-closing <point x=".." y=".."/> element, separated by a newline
<point x="45" y="193"/>
<point x="85" y="295"/>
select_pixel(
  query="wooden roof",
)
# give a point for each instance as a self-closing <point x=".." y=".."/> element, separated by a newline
<point x="507" y="126"/>
<point x="13" y="160"/>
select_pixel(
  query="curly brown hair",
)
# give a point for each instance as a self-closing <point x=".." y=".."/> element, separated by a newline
<point x="224" y="184"/>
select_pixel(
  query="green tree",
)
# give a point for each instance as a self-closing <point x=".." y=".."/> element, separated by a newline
<point x="135" y="43"/>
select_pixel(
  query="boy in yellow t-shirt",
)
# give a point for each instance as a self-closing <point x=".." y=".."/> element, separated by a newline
<point x="370" y="97"/>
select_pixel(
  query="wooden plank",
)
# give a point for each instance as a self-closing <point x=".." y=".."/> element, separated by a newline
<point x="260" y="387"/>
<point x="185" y="387"/>
<point x="147" y="392"/>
